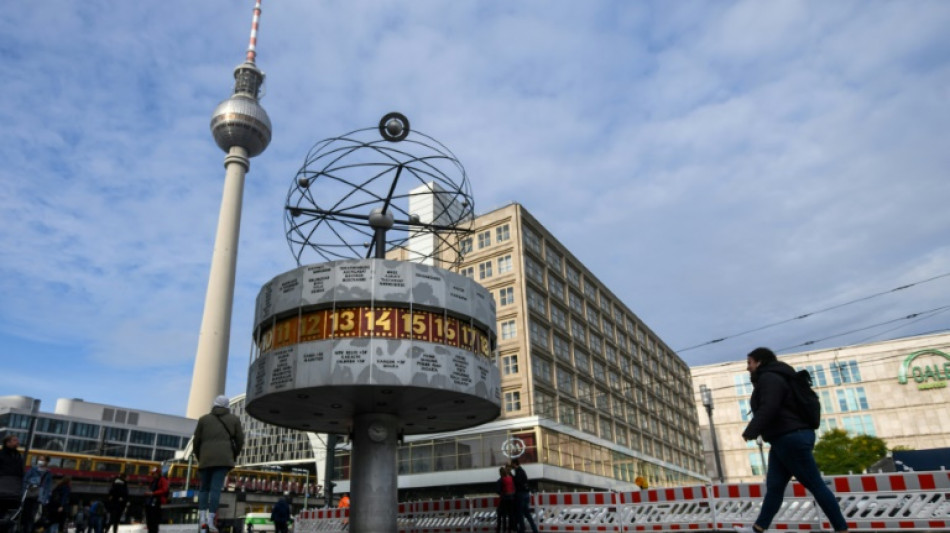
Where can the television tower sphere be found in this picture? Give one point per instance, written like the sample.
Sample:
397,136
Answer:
240,120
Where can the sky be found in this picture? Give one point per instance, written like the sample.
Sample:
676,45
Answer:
720,166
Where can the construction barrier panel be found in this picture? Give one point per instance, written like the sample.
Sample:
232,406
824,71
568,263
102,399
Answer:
914,501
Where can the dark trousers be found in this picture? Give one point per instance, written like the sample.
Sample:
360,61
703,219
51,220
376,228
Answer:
791,455
153,517
28,515
523,512
279,527
504,515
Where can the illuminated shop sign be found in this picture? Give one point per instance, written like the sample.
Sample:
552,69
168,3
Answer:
929,369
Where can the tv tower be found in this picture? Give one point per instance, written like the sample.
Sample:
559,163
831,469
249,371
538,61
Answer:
242,129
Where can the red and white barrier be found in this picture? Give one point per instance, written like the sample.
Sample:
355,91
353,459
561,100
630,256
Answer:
916,501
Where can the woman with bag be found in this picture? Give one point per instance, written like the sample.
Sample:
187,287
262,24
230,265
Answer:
217,443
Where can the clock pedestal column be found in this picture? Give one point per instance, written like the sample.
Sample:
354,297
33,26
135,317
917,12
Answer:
374,502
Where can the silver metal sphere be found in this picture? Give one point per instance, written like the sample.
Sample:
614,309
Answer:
241,121
394,127
379,219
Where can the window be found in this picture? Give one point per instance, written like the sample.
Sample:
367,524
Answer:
484,239
565,381
827,406
755,462
169,441
817,374
465,246
80,429
556,288
509,364
508,330
49,425
142,437
111,434
589,422
468,272
539,334
541,369
611,354
531,239
504,264
484,270
743,384
590,290
559,317
579,331
600,372
576,302
537,302
852,400
562,348
553,259
602,399
861,424
544,405
585,392
512,401
845,372
573,276
534,269
502,233
506,296
745,409
567,414
606,429
621,436
582,361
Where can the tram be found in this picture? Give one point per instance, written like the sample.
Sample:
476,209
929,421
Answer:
95,468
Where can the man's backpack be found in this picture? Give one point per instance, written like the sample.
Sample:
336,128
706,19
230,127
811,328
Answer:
806,400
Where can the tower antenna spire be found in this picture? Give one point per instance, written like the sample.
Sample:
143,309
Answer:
252,45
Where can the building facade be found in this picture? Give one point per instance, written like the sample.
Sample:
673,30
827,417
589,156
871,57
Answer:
90,428
895,390
590,395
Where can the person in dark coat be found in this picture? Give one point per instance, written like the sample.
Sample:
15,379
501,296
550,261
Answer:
217,443
280,515
522,498
155,497
776,418
57,512
118,499
11,477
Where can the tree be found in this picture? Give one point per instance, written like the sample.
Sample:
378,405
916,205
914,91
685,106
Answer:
838,453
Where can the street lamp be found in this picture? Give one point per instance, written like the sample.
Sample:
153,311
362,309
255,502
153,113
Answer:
706,396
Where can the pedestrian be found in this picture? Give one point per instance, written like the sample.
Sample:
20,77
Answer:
59,505
118,499
776,418
522,498
345,504
97,516
280,515
217,444
81,518
37,486
11,479
155,497
504,514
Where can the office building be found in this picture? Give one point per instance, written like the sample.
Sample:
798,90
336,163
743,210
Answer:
895,390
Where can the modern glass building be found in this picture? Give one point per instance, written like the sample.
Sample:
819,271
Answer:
895,390
96,429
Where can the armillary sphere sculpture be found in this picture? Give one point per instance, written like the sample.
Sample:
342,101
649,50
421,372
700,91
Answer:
354,195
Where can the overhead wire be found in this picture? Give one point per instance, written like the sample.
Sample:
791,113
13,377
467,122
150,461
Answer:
812,313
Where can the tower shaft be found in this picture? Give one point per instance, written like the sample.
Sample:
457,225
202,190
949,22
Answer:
211,361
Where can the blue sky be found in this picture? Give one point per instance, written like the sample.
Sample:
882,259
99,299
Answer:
719,165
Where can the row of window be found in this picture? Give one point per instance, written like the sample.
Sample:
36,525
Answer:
485,270
847,400
842,373
108,434
502,234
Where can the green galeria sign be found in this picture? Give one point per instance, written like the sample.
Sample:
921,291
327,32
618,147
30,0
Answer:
931,372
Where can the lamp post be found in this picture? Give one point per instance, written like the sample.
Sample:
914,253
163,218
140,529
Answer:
706,396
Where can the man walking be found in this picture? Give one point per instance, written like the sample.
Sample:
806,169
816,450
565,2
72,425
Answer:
776,418
522,498
155,497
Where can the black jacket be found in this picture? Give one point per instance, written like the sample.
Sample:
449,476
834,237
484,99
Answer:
773,409
11,473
